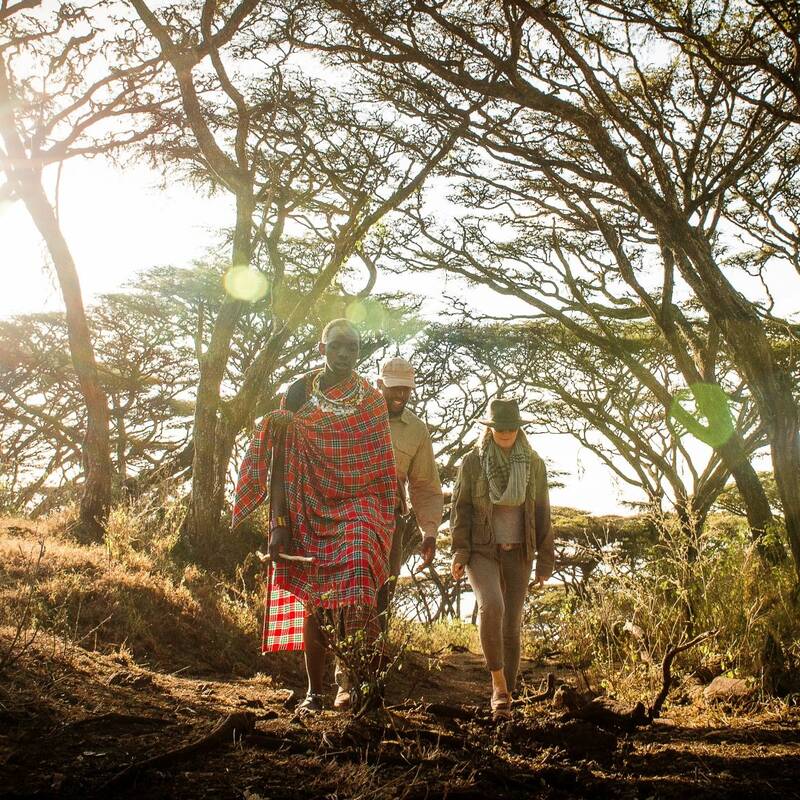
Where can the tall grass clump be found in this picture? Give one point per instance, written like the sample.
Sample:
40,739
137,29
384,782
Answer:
621,623
131,590
148,525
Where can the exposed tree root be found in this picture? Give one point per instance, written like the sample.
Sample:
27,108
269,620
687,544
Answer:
226,730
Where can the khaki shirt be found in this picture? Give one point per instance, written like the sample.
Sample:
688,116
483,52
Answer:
416,469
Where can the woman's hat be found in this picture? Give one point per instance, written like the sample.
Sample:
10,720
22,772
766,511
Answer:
504,413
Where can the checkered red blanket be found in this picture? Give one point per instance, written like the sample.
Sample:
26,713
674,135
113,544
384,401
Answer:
340,487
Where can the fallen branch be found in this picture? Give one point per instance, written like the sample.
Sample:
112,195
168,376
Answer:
666,666
226,730
547,694
601,711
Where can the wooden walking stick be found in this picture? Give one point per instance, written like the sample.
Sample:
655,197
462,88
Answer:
269,600
266,558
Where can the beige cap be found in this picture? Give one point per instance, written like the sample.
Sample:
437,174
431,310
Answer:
397,372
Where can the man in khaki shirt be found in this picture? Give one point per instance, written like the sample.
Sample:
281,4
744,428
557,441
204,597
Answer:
417,474
418,478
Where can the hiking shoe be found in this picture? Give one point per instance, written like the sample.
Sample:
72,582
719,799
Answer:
343,700
501,705
310,704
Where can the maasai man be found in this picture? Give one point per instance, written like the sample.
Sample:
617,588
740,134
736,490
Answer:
325,460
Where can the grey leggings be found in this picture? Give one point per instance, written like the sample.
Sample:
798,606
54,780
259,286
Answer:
500,584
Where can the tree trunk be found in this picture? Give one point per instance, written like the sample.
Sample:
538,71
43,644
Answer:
732,452
227,430
122,439
785,447
770,383
203,520
96,496
756,503
25,178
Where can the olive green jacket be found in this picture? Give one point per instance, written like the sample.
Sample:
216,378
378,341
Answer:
471,515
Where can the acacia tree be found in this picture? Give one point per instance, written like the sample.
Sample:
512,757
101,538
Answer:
298,161
753,48
585,390
564,93
453,391
40,436
143,370
145,342
51,111
573,275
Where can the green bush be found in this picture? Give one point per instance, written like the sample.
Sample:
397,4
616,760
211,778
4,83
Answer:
621,626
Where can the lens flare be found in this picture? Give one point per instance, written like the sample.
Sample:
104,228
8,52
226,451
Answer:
244,283
367,314
710,420
356,312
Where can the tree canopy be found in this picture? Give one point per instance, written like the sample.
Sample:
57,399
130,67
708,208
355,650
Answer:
625,173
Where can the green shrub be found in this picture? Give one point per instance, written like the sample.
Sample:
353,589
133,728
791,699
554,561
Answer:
622,625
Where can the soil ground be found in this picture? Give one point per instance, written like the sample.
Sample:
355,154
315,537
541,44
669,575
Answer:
71,719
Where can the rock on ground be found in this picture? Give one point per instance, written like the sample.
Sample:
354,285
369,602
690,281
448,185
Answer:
728,690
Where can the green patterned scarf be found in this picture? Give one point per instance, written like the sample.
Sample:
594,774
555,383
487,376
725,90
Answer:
506,473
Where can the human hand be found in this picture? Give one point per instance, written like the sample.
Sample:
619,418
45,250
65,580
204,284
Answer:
279,541
280,421
538,582
427,552
457,570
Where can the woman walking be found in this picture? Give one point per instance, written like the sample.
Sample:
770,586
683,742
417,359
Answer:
500,520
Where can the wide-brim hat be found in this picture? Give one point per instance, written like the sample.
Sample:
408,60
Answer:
504,413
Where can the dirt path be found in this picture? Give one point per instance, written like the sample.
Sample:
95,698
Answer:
71,720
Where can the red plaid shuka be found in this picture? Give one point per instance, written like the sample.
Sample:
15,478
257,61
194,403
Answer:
340,487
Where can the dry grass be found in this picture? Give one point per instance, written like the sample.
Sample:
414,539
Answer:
125,694
617,633
439,637
87,594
